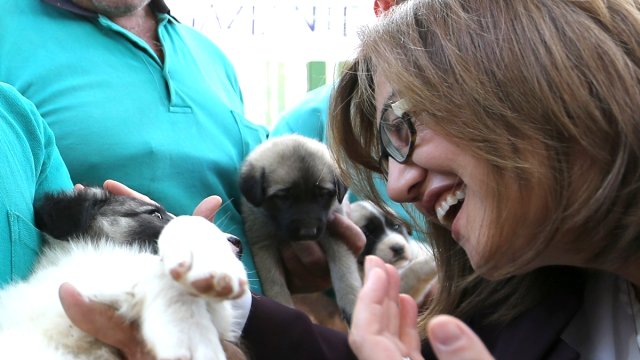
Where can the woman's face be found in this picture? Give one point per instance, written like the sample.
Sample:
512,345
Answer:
445,183
449,186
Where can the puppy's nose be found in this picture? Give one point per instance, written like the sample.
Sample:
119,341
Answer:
397,250
236,245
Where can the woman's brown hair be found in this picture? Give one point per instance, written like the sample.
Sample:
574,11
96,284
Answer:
546,92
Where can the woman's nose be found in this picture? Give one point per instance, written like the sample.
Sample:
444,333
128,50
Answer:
403,181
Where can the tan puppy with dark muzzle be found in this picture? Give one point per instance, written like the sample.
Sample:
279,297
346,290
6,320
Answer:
290,187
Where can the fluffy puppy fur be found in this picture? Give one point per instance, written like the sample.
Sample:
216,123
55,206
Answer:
171,275
390,240
290,187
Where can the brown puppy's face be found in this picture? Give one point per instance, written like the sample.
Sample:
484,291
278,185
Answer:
300,212
298,204
293,182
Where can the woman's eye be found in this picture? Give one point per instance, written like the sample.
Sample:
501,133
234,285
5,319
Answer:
396,128
393,125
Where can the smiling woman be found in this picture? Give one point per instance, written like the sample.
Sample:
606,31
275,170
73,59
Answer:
525,158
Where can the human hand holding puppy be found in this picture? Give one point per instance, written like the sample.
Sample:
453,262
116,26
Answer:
308,261
102,321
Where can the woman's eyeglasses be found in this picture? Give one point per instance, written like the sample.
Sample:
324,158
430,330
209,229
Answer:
397,132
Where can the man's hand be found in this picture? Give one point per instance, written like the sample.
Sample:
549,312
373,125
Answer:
102,322
207,207
305,263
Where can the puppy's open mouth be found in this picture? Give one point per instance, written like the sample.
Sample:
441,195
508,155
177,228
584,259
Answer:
449,205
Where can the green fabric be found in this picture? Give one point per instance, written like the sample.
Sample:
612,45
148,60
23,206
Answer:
174,131
30,165
310,118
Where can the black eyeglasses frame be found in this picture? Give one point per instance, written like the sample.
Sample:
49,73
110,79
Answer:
385,153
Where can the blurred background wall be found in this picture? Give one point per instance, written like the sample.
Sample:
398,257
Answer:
280,48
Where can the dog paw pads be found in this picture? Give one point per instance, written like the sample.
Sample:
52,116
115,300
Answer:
180,270
219,286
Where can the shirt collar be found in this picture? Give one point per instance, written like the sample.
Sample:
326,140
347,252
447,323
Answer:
158,5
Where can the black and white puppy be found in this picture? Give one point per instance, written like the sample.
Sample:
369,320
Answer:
171,275
290,187
389,240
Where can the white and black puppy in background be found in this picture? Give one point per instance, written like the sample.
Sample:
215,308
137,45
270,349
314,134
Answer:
389,239
171,275
290,187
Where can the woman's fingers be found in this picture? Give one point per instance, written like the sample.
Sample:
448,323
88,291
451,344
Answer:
408,329
451,339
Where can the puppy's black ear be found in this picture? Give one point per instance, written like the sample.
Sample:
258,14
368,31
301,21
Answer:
62,215
341,190
252,184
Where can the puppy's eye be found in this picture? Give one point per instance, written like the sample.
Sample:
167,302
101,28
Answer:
395,227
155,213
324,193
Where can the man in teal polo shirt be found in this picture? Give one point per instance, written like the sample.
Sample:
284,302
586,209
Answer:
30,165
133,95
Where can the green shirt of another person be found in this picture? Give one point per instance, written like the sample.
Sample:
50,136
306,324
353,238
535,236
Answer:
30,165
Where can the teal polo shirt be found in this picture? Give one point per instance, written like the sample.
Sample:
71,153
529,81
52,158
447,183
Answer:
308,117
173,130
30,165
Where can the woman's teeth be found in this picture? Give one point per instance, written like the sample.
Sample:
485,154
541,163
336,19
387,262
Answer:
452,199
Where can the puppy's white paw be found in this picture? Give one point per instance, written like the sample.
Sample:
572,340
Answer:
197,254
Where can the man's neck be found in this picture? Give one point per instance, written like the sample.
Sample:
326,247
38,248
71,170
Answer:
144,24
